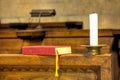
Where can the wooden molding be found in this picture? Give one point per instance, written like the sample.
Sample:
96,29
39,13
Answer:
73,67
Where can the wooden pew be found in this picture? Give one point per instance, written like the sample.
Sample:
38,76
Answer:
74,38
72,67
14,65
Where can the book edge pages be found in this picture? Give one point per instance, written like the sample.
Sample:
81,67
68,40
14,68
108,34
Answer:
64,50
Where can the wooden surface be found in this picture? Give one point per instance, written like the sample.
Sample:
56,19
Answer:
48,25
30,33
11,33
8,33
73,67
10,46
14,66
73,38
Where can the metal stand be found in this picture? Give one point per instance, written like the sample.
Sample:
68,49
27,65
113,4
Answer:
42,13
39,26
93,50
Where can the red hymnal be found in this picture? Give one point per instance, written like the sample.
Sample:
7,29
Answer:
45,50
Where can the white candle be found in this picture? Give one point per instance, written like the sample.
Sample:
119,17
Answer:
93,20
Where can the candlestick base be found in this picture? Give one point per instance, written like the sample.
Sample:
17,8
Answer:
93,50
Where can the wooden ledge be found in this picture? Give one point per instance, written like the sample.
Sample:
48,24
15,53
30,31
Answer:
73,67
52,33
30,33
71,59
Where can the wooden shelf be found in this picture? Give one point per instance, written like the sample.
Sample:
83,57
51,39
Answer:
30,33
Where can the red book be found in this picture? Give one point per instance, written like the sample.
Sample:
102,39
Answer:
46,50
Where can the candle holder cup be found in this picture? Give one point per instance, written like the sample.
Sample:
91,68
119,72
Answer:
94,50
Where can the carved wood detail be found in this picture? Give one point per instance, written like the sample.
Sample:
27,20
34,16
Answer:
73,67
39,69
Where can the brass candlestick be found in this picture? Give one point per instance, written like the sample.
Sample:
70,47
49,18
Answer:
93,50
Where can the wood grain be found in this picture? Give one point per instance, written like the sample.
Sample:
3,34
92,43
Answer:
12,46
73,67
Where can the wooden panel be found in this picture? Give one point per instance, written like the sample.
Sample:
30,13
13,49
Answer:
76,33
49,25
116,31
105,32
73,67
75,43
54,33
30,33
4,26
10,45
45,76
75,38
8,33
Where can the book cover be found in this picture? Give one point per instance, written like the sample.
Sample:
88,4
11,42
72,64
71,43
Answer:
46,50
